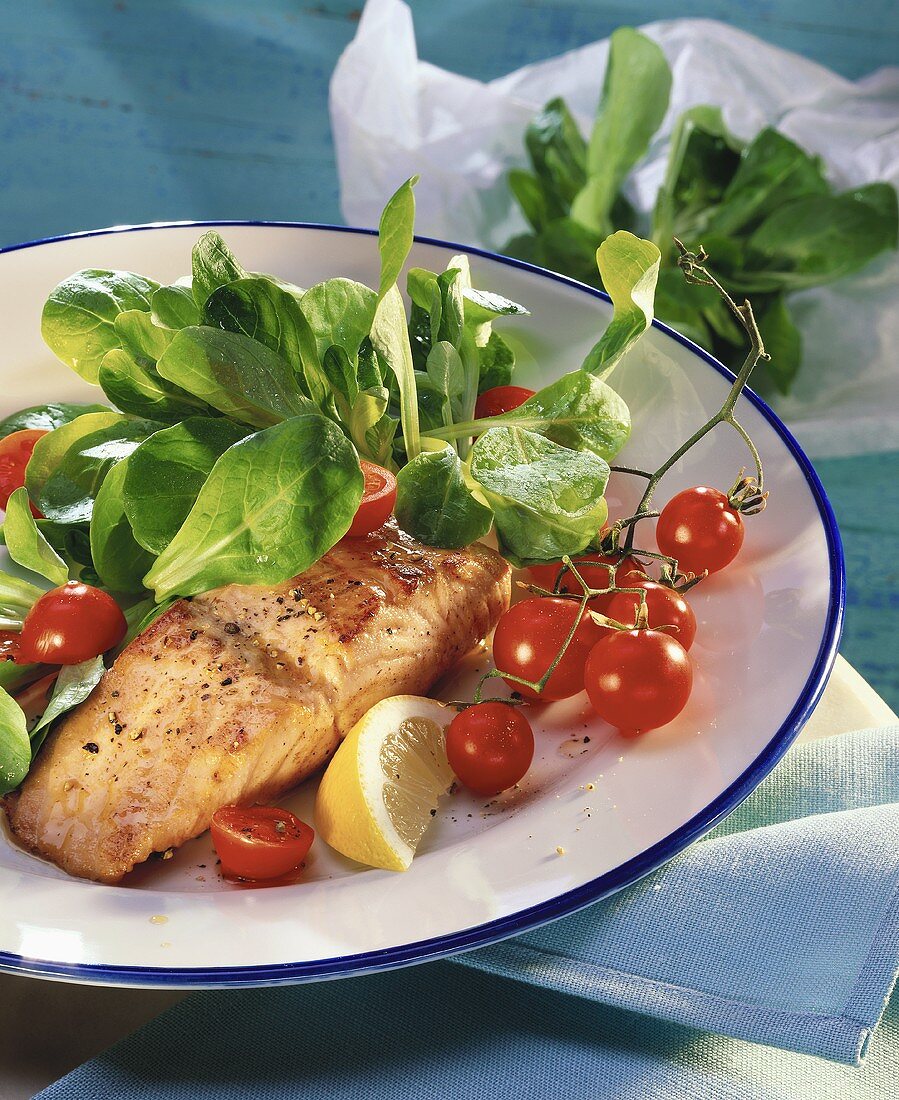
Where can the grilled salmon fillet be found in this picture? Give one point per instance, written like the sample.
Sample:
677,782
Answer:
237,695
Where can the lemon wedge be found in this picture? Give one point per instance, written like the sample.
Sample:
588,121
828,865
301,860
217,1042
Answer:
376,798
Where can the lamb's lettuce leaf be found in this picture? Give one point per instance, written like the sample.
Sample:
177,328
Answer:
435,504
272,505
547,500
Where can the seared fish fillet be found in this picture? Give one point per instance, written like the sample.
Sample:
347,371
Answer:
237,695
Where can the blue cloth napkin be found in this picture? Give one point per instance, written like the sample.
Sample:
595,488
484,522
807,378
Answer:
781,927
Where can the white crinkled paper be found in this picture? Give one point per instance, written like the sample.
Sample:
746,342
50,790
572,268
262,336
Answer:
394,115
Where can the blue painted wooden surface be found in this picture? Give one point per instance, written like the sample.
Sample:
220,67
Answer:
863,493
122,110
115,111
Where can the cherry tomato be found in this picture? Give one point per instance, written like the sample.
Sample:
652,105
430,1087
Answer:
501,399
378,499
15,451
638,679
664,607
71,624
490,747
700,529
10,647
259,843
531,633
545,575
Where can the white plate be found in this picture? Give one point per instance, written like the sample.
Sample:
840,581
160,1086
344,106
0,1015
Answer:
768,634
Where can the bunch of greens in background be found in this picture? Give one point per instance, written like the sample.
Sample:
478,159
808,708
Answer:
240,407
764,208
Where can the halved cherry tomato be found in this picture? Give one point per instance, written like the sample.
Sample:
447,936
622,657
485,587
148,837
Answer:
528,637
501,399
664,607
490,747
15,451
378,499
10,647
71,624
259,843
700,529
638,679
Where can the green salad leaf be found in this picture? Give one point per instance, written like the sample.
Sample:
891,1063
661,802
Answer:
117,557
625,123
17,597
483,306
71,541
78,321
272,505
236,375
15,746
68,494
558,153
27,545
340,313
73,685
132,384
390,338
547,500
445,377
447,310
175,306
259,309
180,458
137,330
435,504
51,450
629,267
46,417
576,411
783,340
772,169
496,363
213,264
764,209
702,160
815,240
395,234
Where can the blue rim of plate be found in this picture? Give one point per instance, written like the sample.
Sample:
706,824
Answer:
564,904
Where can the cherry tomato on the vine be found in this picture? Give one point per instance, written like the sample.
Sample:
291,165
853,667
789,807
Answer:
664,607
71,624
378,500
501,399
529,636
259,843
490,747
10,647
588,565
15,451
638,679
700,529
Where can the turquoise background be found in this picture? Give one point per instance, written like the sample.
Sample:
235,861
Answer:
120,112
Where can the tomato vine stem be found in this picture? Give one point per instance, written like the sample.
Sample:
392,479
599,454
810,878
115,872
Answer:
695,272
